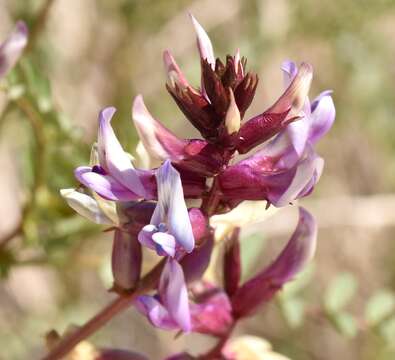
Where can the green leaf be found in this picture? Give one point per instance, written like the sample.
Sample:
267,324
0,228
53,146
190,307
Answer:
345,324
379,307
340,292
293,310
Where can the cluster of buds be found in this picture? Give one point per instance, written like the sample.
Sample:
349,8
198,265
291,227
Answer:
148,207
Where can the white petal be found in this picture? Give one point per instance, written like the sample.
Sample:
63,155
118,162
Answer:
171,204
112,156
86,206
204,43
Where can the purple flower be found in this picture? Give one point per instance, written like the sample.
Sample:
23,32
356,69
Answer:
11,49
170,230
297,253
255,179
286,168
169,309
114,178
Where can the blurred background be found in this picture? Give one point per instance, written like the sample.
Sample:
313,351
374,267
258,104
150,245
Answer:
85,55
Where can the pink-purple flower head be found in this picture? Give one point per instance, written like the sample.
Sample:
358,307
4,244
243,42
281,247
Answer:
170,230
11,49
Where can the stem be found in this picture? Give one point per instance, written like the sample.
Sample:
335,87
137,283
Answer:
210,204
121,303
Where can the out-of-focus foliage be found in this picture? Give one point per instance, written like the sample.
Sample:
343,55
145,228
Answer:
88,54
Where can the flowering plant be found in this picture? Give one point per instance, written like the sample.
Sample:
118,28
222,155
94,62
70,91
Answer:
148,207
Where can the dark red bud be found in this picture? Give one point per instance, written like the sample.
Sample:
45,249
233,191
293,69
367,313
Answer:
197,110
245,92
232,263
126,260
216,92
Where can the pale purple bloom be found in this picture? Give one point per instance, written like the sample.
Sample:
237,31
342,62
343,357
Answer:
297,253
170,229
114,178
11,49
169,309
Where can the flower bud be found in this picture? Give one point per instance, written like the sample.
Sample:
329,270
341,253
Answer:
126,260
232,263
297,253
